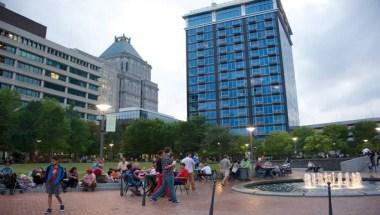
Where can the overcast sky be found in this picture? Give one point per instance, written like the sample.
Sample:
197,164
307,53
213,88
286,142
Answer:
336,47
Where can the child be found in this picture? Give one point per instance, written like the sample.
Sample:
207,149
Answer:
53,180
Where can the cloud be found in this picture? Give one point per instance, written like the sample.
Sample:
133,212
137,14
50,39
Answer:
335,47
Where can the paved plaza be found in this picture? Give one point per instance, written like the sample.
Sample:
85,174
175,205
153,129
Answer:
197,202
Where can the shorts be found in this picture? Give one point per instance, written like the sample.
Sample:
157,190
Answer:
226,172
52,189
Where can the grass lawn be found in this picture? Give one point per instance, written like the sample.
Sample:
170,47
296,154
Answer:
26,168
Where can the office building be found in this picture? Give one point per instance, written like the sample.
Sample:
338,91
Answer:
37,68
240,67
134,78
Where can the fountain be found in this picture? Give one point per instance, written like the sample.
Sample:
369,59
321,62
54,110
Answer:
319,180
315,184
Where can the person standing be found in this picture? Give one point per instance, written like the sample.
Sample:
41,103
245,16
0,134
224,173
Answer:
225,165
53,180
196,160
189,165
168,177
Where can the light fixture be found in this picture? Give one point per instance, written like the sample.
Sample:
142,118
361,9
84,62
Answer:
377,129
295,139
111,145
103,107
365,140
251,129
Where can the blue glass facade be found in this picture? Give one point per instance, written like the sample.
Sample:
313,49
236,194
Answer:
240,67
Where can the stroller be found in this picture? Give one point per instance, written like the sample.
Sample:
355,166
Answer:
286,169
8,182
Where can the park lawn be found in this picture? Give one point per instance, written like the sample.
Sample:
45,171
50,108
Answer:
29,167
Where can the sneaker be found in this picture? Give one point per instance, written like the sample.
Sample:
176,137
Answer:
153,200
176,202
62,208
48,211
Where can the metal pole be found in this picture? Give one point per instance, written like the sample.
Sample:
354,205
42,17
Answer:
212,199
329,193
101,153
251,149
144,190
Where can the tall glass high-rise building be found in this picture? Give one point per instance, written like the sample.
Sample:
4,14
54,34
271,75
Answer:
240,66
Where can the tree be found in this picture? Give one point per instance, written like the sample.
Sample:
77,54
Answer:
338,135
79,139
94,142
147,137
9,102
53,128
217,141
317,143
302,133
364,131
189,135
278,145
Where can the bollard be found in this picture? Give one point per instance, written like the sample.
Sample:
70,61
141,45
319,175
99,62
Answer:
144,192
212,198
329,193
121,186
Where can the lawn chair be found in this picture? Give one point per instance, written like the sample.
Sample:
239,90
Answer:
127,182
180,182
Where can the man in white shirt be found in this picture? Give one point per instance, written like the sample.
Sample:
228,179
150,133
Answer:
206,171
189,165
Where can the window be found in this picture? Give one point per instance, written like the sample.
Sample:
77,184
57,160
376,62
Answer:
76,103
57,53
55,76
7,48
93,97
79,61
5,73
77,82
28,80
5,86
29,68
259,6
27,92
78,72
94,77
58,98
228,13
7,61
91,117
30,56
54,86
199,19
56,64
77,92
93,87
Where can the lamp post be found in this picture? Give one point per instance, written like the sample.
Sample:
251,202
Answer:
111,145
365,140
218,143
295,145
102,108
250,130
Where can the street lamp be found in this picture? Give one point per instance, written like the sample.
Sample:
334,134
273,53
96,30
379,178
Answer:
111,145
250,130
102,108
365,140
295,145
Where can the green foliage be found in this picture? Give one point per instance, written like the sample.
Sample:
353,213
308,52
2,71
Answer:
364,131
190,135
147,137
338,135
9,102
317,143
278,145
302,133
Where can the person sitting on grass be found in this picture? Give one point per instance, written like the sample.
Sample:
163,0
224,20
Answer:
89,181
72,179
38,176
